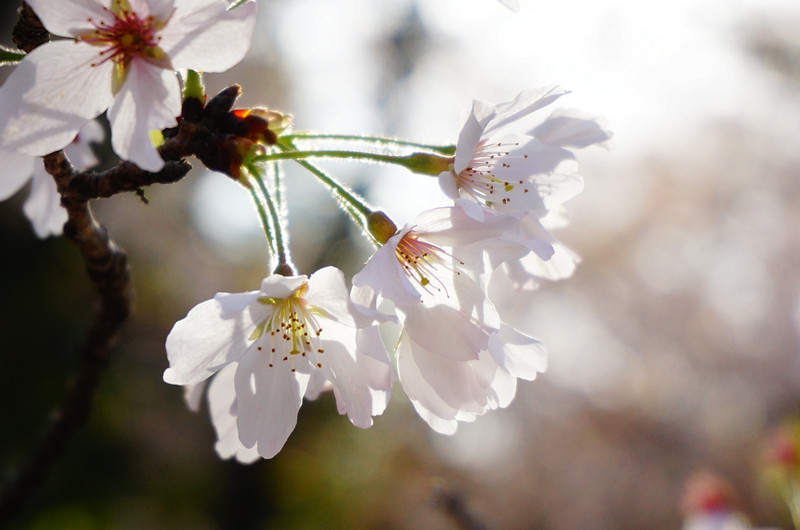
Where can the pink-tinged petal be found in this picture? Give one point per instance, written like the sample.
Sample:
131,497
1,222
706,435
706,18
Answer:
160,10
221,403
363,307
526,272
456,226
17,169
471,133
71,18
268,399
522,356
51,94
375,366
353,396
205,35
431,408
459,385
43,206
80,151
571,128
525,103
445,332
206,340
327,291
503,386
384,274
149,99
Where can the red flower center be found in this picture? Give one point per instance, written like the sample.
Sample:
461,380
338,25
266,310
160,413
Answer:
125,37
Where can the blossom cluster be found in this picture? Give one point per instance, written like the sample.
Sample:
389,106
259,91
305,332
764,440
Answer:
456,358
257,355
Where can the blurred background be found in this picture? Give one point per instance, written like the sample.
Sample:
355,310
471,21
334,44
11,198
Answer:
675,347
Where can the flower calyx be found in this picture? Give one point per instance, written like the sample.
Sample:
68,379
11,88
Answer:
380,226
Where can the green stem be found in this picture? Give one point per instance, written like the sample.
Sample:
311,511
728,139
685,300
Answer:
425,163
346,196
277,241
262,214
442,149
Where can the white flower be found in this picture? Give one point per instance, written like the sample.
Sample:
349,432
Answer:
455,358
501,164
289,339
121,56
43,205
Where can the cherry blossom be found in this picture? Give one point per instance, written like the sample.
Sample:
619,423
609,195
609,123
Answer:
120,56
292,338
504,161
43,205
456,359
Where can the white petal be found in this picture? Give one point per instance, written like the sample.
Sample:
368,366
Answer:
80,151
317,384
193,394
268,400
375,366
160,10
526,272
571,128
471,134
43,206
17,169
449,184
204,35
51,94
445,331
70,18
363,307
524,104
221,402
206,340
350,387
438,414
149,99
327,291
277,286
384,274
522,356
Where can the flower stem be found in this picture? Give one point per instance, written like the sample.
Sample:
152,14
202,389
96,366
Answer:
448,150
425,163
272,224
262,214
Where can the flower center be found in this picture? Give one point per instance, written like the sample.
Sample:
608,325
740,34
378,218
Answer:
127,36
478,178
291,330
424,263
